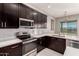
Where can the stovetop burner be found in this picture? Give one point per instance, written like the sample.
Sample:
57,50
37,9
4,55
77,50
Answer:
23,35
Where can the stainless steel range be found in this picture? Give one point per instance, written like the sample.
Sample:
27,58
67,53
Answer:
29,43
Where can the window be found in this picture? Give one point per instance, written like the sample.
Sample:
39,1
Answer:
52,24
69,27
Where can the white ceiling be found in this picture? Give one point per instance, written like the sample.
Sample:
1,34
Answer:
57,9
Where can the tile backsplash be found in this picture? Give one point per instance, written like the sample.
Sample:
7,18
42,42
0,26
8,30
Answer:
5,33
11,32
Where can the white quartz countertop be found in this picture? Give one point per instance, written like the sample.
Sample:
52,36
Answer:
41,35
9,42
14,40
69,37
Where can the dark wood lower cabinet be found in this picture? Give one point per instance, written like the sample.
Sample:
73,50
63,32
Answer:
57,44
42,42
39,45
40,48
13,50
54,43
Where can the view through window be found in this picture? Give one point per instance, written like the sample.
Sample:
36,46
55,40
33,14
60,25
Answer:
69,27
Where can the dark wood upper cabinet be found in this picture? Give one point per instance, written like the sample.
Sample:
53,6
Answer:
9,15
1,20
25,12
29,13
39,18
44,18
1,11
35,17
22,11
11,8
11,12
1,7
11,21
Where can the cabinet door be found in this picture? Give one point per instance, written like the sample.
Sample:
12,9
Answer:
25,12
29,13
22,11
35,18
43,21
15,50
44,18
11,8
1,11
1,7
11,21
10,15
57,44
39,18
1,21
39,45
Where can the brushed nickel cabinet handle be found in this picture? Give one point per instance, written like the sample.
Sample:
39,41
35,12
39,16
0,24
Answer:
2,24
5,24
40,42
7,54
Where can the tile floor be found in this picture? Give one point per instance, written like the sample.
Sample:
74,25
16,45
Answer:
48,52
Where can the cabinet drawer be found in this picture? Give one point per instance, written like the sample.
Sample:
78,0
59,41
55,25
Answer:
13,50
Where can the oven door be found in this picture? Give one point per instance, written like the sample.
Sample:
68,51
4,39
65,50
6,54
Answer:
29,46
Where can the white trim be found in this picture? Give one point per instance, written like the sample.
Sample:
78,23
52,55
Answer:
26,26
26,19
32,23
29,41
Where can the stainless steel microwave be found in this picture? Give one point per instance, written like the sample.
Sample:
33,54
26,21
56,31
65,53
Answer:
26,23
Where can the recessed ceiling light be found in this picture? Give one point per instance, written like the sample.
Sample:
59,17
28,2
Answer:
49,6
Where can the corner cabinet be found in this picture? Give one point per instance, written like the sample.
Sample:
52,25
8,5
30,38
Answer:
12,50
54,43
